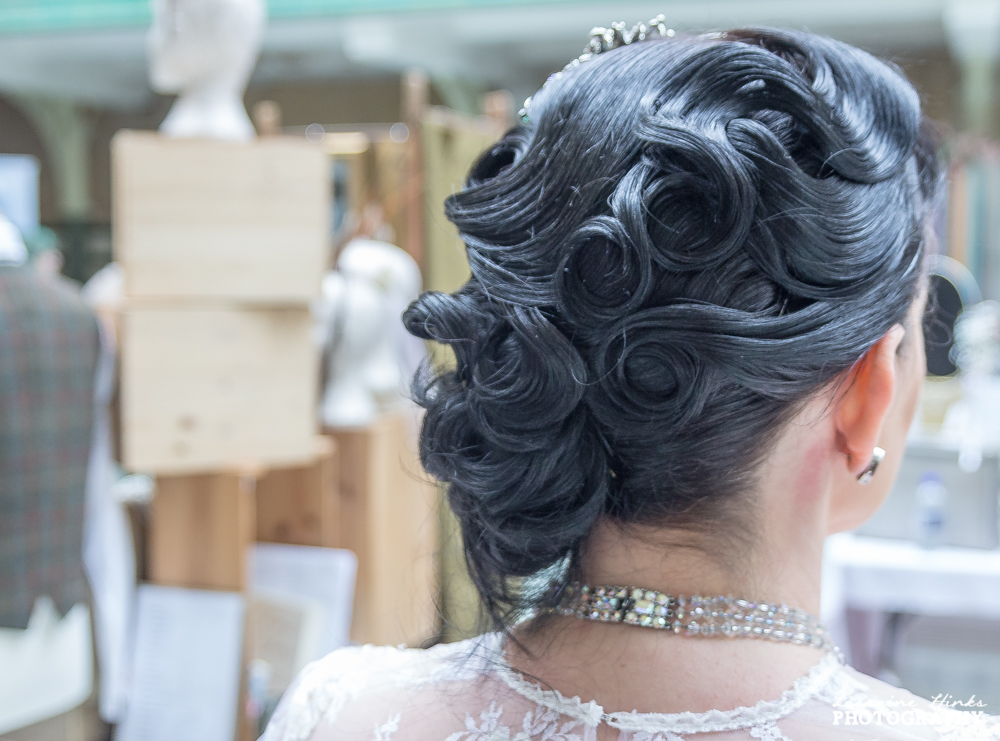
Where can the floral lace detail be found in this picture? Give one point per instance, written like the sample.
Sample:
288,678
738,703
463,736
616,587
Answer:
589,713
487,730
538,725
548,725
384,732
325,686
769,732
764,713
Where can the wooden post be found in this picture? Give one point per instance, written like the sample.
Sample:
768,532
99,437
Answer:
414,103
451,144
389,519
300,505
200,528
498,105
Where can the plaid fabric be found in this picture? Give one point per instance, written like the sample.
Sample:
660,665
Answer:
48,354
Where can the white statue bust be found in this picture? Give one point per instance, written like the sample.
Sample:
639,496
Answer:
205,50
370,355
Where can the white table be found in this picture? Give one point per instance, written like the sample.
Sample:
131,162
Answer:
883,576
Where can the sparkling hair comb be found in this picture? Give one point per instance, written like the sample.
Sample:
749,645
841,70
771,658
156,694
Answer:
606,39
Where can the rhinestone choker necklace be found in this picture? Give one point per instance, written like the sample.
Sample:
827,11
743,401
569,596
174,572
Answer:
694,616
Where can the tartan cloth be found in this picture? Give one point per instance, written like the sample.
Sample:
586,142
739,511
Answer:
49,346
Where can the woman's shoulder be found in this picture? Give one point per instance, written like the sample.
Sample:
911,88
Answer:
355,676
464,692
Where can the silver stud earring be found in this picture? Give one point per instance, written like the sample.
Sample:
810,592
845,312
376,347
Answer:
865,476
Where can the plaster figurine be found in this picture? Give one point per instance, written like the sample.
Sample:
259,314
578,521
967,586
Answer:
370,356
205,50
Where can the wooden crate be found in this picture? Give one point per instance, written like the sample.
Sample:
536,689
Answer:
389,518
300,505
201,218
200,528
206,388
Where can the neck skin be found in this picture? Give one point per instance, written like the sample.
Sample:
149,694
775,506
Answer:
597,660
784,528
772,550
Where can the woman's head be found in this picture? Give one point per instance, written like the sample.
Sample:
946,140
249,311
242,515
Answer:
690,239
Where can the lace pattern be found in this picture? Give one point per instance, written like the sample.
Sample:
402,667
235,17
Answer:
384,732
329,686
325,686
768,732
588,713
540,724
764,713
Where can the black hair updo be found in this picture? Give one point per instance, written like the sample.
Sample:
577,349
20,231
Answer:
691,236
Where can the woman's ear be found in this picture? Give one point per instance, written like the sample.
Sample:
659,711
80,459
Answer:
865,401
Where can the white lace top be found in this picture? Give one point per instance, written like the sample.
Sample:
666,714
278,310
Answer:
465,692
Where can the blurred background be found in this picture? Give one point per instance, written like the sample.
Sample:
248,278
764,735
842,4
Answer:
213,212
73,73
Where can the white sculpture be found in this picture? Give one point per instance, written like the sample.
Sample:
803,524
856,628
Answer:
205,50
370,355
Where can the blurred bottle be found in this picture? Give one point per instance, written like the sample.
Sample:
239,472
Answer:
931,500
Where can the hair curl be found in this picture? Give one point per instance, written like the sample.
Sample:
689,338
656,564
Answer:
692,236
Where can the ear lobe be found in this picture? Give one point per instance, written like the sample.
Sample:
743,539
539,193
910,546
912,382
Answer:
865,401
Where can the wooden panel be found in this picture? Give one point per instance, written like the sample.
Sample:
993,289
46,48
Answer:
396,191
206,218
389,519
210,388
461,606
199,530
415,96
300,505
451,144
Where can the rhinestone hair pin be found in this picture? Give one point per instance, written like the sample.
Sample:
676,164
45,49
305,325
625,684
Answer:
606,39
